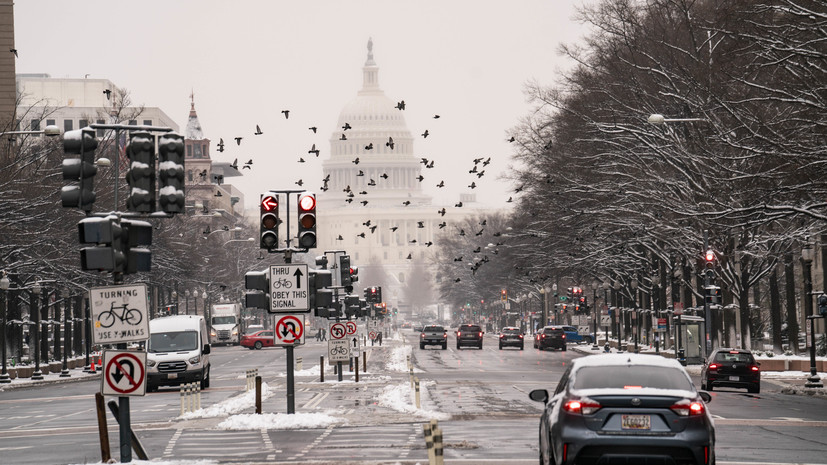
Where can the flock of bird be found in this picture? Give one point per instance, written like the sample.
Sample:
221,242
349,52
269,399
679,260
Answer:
477,170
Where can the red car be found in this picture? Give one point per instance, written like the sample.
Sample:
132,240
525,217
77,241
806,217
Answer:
258,339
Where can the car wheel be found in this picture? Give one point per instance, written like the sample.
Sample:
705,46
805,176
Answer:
444,346
151,387
522,346
251,348
258,345
563,348
480,346
205,381
501,347
458,346
755,390
421,346
587,340
709,387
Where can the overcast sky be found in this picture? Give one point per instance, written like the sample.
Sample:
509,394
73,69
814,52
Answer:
245,60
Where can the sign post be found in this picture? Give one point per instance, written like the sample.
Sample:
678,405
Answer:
289,333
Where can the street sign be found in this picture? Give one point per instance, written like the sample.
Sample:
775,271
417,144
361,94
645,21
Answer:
289,330
678,307
288,289
124,373
337,331
338,350
605,320
661,324
119,314
372,335
351,327
584,330
354,346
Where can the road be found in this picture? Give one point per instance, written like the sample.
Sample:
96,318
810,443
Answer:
481,396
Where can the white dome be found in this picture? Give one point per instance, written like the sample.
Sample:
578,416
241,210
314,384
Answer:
372,111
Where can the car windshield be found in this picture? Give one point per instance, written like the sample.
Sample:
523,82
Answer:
736,357
553,330
469,328
223,320
631,377
434,328
511,331
173,341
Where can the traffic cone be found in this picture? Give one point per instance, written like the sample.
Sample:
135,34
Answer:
92,367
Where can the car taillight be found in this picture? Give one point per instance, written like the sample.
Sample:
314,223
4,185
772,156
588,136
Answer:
713,366
563,336
521,336
583,406
543,336
480,333
445,335
687,408
422,335
754,368
502,336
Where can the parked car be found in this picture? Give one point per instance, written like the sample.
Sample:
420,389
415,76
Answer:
550,337
259,339
512,336
433,335
469,335
572,335
625,408
731,368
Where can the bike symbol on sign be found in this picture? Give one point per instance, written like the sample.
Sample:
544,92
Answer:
131,316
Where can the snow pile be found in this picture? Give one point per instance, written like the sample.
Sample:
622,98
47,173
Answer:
231,405
399,359
312,371
401,398
278,421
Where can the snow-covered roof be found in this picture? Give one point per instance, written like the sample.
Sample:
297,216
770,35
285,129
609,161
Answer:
625,359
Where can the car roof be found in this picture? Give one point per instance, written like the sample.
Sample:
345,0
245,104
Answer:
510,327
740,351
625,359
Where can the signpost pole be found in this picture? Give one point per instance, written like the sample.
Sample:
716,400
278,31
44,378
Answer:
291,391
123,420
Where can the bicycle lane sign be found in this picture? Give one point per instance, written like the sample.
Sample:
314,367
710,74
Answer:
119,314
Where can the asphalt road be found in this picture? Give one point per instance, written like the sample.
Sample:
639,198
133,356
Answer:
482,394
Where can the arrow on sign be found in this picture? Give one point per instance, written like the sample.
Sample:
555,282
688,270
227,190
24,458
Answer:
289,327
120,372
298,274
355,342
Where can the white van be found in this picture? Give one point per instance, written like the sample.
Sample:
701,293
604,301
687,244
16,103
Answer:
178,352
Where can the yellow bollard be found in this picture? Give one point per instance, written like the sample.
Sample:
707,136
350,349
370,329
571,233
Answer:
429,442
416,389
438,446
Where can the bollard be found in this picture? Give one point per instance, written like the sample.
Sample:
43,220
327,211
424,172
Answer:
437,446
429,442
416,389
298,364
258,395
365,362
357,368
190,397
251,379
411,376
321,368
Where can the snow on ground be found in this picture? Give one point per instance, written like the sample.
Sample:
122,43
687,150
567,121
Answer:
312,371
279,421
401,398
169,462
231,405
398,361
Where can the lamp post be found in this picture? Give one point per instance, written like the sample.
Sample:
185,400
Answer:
64,372
633,284
554,303
87,339
606,287
595,285
618,317
4,285
36,290
813,381
187,301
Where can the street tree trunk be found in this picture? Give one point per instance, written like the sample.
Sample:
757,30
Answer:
775,312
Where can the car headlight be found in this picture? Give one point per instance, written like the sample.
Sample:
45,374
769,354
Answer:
235,332
150,363
213,333
194,360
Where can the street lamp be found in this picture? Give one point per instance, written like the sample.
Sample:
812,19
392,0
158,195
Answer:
175,296
554,303
606,287
595,285
64,372
657,118
813,381
618,318
50,130
35,306
187,301
4,285
633,284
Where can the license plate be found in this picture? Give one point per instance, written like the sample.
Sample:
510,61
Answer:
734,378
635,422
172,375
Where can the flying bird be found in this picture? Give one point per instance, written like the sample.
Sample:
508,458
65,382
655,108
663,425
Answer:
400,105
384,176
406,203
343,137
313,150
360,173
356,161
479,233
458,205
420,224
372,183
300,183
361,193
219,179
419,178
286,113
457,280
220,145
373,229
394,228
510,199
473,170
346,127
486,162
247,167
412,241
425,134
366,223
234,165
473,185
301,160
441,184
369,146
362,235
429,243
424,161
313,128
518,189
409,256
390,143
238,140
258,131
442,225
458,259
348,200
218,194
340,238
461,232
346,189
511,139
477,250
441,212
436,116
477,160
249,162
479,175
483,222
14,50
430,164
364,202
108,93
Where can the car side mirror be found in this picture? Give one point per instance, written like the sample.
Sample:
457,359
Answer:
206,349
540,395
707,398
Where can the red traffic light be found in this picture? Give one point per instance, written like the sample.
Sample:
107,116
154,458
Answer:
307,202
269,203
710,255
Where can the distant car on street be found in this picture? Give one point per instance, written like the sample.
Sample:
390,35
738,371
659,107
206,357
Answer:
550,337
625,408
574,336
433,335
512,336
735,368
469,335
258,339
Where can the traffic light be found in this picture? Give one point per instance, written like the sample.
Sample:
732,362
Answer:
81,170
713,295
269,238
344,271
710,260
171,172
569,293
141,173
352,308
259,283
373,294
822,305
307,220
97,231
503,295
136,234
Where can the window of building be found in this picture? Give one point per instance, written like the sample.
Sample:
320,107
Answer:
147,122
100,132
133,122
83,123
35,124
189,151
189,175
67,125
50,122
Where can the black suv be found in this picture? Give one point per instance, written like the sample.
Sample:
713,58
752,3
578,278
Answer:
731,368
469,335
511,336
550,337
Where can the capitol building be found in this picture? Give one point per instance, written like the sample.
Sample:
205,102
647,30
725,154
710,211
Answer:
373,206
